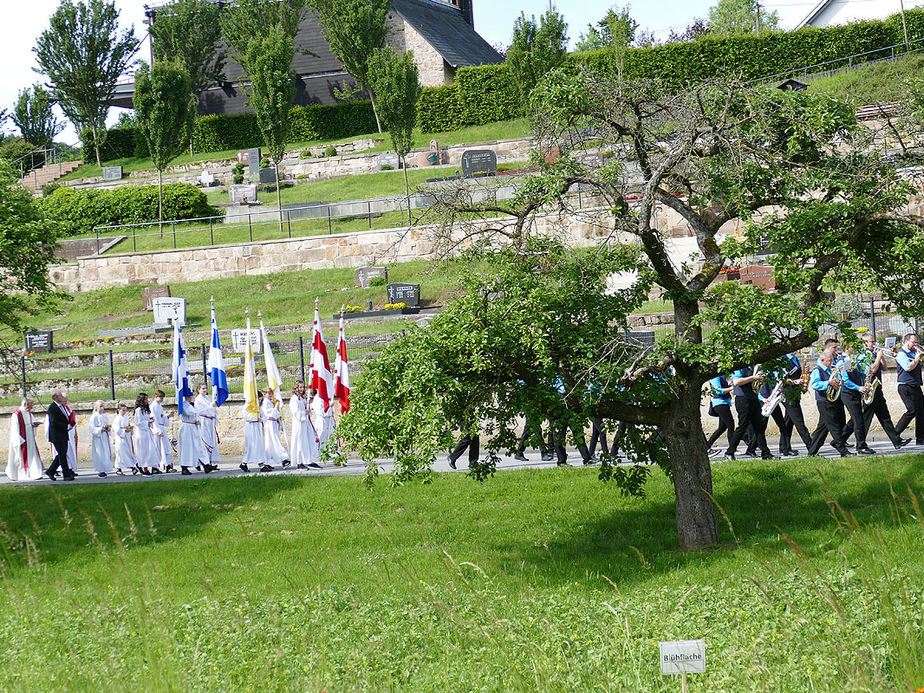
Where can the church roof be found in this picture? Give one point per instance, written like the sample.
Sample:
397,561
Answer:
446,30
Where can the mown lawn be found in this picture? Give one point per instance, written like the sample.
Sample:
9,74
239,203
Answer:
881,82
534,580
502,130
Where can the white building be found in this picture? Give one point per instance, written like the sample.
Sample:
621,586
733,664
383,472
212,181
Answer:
832,12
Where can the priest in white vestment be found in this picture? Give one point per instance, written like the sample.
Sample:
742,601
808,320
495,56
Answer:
23,462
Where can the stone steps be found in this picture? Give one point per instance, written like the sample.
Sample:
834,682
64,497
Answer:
35,179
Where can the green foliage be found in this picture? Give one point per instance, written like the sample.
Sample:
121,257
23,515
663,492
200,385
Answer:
330,150
268,63
84,54
13,148
49,188
246,20
394,78
536,49
121,143
741,17
487,93
238,173
79,211
378,281
877,83
617,28
189,32
438,108
27,243
33,116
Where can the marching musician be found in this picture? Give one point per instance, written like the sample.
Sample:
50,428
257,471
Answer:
852,397
748,407
830,414
780,415
796,384
720,407
908,364
872,360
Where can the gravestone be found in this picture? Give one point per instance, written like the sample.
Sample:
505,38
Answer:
268,175
169,310
479,162
243,156
363,275
433,158
206,179
386,159
242,194
253,164
239,340
40,342
404,293
112,173
149,293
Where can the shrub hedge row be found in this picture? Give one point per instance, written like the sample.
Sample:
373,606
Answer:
487,93
120,143
80,211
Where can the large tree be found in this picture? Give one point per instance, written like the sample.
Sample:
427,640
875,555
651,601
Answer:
268,62
189,32
34,117
536,49
741,17
83,54
794,170
163,106
395,79
355,30
246,20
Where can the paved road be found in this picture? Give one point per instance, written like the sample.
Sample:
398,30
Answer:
229,466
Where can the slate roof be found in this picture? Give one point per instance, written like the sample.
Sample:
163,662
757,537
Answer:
446,30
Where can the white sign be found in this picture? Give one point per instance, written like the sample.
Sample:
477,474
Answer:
239,340
683,656
168,309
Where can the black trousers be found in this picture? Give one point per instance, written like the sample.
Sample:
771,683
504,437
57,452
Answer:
473,443
794,413
60,459
880,410
535,428
597,434
784,424
558,443
853,403
914,411
726,424
831,419
749,415
617,437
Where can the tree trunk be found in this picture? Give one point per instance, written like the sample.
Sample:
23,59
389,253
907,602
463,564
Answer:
160,201
375,112
686,445
278,193
407,190
99,161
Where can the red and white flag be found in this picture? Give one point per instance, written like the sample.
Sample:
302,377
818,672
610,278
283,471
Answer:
321,378
342,372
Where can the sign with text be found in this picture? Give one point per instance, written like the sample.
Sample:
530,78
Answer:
682,657
239,340
404,293
40,342
112,173
169,310
479,162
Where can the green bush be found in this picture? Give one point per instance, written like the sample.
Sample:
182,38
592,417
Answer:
438,108
487,93
238,173
49,188
80,211
378,281
330,151
120,143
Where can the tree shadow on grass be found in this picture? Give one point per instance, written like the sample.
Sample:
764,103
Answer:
755,503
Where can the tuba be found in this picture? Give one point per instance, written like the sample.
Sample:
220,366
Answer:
834,390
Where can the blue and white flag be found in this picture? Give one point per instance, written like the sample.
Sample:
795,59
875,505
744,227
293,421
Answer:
217,366
180,369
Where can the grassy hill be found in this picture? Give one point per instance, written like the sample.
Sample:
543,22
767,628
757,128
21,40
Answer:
880,82
534,580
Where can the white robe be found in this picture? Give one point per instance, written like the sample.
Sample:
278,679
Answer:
102,447
190,449
208,427
254,448
273,432
17,468
303,445
71,441
125,447
162,434
323,422
146,455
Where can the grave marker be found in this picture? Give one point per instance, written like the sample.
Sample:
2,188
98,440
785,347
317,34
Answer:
239,340
404,293
479,162
363,275
40,342
242,194
253,164
112,173
169,310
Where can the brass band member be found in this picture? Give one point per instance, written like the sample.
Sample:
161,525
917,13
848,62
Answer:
908,364
830,414
874,359
747,405
852,397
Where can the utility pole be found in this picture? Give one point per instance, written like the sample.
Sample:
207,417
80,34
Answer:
901,4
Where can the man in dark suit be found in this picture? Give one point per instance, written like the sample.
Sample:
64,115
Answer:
57,434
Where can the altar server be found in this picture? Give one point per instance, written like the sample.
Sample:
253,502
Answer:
125,445
102,445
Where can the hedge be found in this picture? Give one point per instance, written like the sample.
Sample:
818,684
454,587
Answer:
120,143
487,93
80,211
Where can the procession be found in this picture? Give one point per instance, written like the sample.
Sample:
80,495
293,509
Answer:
144,439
